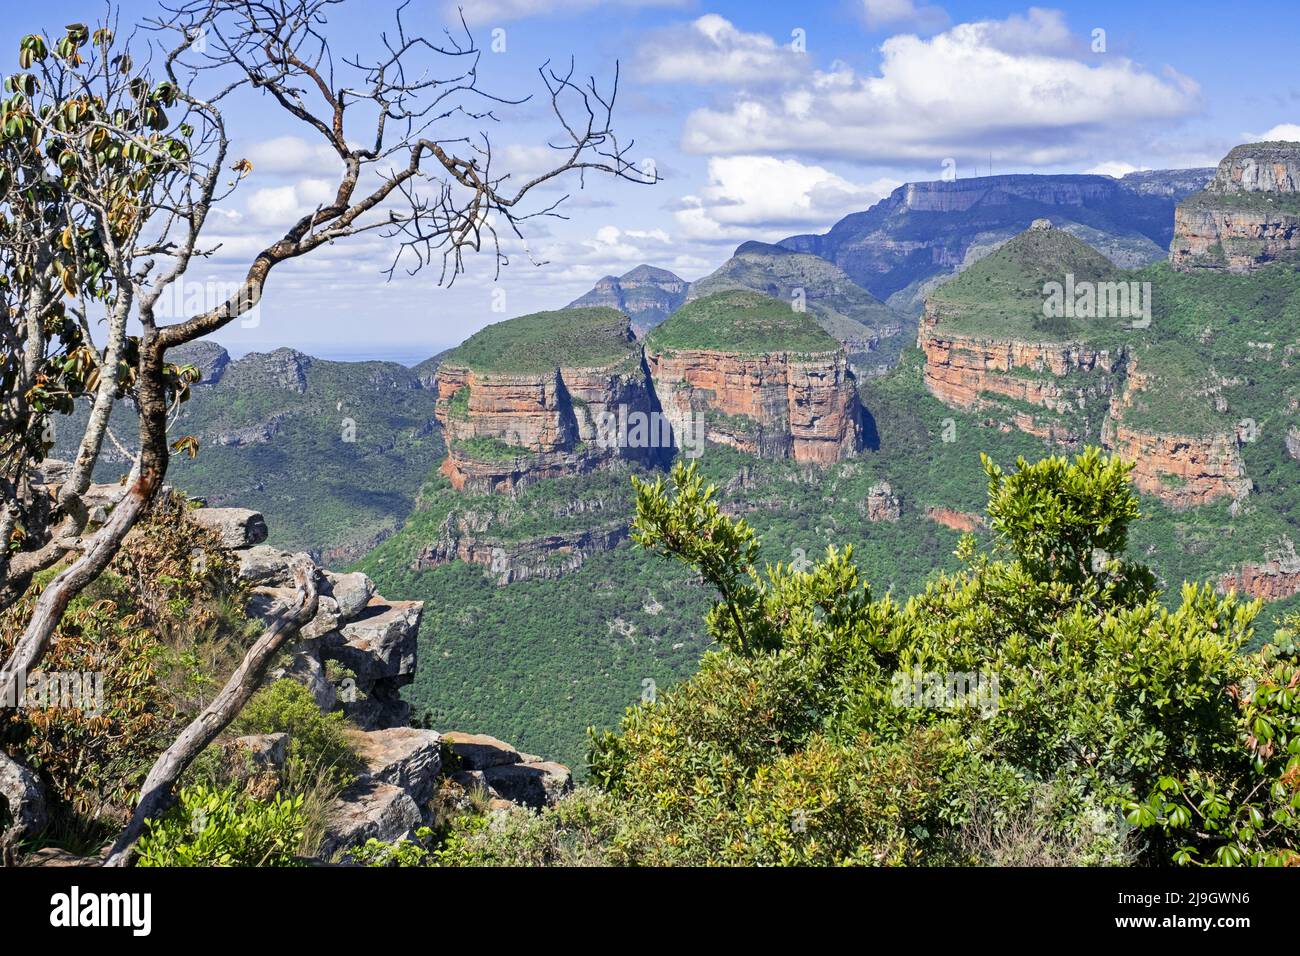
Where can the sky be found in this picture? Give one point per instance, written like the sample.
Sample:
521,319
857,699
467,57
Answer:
763,120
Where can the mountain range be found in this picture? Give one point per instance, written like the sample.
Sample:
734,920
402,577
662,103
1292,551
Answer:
843,386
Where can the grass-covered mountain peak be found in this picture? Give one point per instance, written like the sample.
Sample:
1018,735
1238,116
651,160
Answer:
1004,292
742,322
566,338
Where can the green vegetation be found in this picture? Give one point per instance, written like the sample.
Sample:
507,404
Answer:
740,321
317,740
224,828
1018,711
575,338
483,448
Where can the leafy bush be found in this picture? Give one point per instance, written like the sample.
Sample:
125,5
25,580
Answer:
315,739
808,739
210,827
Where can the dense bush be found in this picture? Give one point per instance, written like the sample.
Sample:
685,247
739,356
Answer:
210,827
826,729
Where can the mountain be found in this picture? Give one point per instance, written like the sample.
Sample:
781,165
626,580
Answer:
850,314
1247,217
924,232
646,295
333,453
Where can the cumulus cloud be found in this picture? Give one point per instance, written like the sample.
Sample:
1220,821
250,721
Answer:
1006,87
292,155
1116,168
281,205
1284,132
749,193
903,13
498,11
712,50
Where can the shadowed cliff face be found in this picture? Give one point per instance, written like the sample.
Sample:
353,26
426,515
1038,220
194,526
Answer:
1247,217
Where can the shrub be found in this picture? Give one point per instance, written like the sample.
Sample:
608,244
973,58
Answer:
211,827
315,739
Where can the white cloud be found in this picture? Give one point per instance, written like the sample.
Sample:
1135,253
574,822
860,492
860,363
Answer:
749,193
1284,132
898,13
292,155
1115,168
712,50
1001,87
498,11
282,205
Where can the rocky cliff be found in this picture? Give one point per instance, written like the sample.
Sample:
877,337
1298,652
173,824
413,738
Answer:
1247,217
753,374
528,398
924,232
354,657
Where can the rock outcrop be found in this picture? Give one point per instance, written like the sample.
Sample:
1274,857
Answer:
1276,578
774,405
540,416
882,504
1247,217
956,520
1183,471
975,373
544,557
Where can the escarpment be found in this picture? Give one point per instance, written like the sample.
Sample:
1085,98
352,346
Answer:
532,398
566,393
740,369
1247,217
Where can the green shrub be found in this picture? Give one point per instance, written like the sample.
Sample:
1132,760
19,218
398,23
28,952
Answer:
315,739
210,827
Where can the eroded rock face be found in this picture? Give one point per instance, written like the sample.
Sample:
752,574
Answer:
969,373
505,431
1270,581
1293,443
774,405
957,520
1183,471
882,504
238,527
545,557
1248,216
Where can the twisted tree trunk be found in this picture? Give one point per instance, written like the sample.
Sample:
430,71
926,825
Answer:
157,794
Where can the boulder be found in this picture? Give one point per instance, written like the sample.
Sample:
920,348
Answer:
237,527
479,751
265,566
23,812
369,809
533,784
378,643
351,592
404,757
266,751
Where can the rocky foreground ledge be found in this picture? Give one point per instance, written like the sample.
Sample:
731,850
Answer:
374,641
354,656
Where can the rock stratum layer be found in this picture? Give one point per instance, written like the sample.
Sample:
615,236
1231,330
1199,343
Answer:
775,405
1247,217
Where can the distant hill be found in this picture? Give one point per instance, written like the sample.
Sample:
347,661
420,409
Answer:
333,453
921,233
646,295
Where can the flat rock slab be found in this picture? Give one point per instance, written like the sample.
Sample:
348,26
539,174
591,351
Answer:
237,527
369,810
405,757
379,643
479,751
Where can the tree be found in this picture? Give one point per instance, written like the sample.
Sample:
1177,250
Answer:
1026,698
112,173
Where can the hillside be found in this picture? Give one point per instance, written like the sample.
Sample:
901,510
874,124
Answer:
847,312
333,453
646,295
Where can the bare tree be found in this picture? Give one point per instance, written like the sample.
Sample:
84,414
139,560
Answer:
409,172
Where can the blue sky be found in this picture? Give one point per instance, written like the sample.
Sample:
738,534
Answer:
764,120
